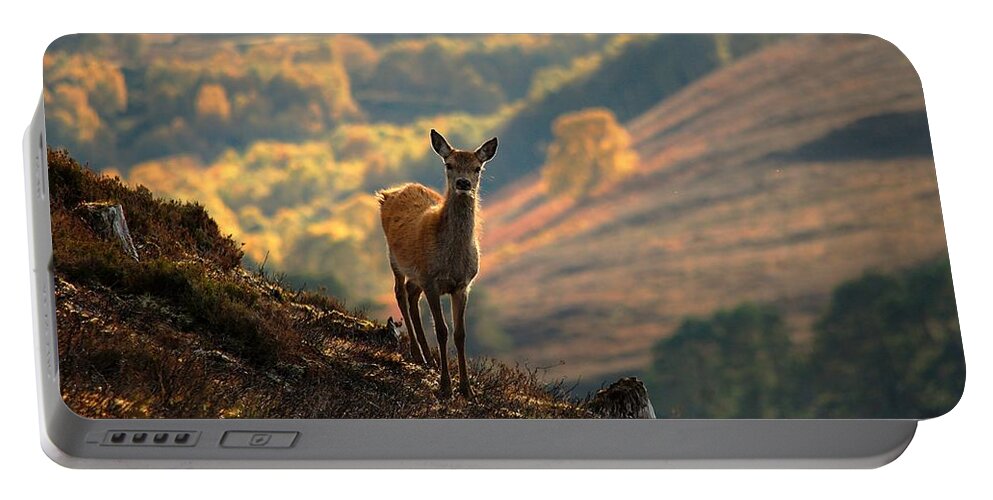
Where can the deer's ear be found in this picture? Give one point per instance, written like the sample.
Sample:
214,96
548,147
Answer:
439,144
487,151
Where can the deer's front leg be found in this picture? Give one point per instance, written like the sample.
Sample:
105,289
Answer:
460,300
441,330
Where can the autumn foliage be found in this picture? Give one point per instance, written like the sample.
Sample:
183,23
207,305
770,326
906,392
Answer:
591,151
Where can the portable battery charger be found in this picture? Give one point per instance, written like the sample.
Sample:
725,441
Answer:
530,250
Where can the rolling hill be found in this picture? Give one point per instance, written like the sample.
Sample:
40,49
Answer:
649,68
771,179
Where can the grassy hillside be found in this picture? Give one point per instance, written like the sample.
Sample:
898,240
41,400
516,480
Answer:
186,332
770,180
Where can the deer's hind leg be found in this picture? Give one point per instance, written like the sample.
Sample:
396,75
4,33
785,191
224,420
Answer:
400,289
414,309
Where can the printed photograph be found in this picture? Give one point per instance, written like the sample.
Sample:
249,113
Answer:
496,226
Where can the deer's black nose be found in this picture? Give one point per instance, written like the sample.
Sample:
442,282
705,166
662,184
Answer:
463,184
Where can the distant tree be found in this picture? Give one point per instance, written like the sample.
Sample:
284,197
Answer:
102,80
357,55
72,112
731,365
212,102
415,79
549,80
483,318
590,149
83,97
686,376
889,347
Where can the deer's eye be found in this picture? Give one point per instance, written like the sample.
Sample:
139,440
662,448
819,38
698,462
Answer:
448,167
478,169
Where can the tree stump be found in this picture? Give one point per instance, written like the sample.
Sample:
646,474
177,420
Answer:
626,398
107,218
388,335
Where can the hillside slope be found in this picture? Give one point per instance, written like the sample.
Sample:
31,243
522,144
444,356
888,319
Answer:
772,179
186,332
648,69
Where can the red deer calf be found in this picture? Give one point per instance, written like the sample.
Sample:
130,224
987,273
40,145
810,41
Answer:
434,249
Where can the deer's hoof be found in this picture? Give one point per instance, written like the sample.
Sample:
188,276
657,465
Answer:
445,392
466,392
416,357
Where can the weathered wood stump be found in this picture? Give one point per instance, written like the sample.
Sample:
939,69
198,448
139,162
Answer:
107,218
626,398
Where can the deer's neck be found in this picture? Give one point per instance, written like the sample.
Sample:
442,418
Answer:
458,219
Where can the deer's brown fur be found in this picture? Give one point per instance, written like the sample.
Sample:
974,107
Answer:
434,250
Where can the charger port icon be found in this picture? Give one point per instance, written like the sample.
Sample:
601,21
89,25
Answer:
260,439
